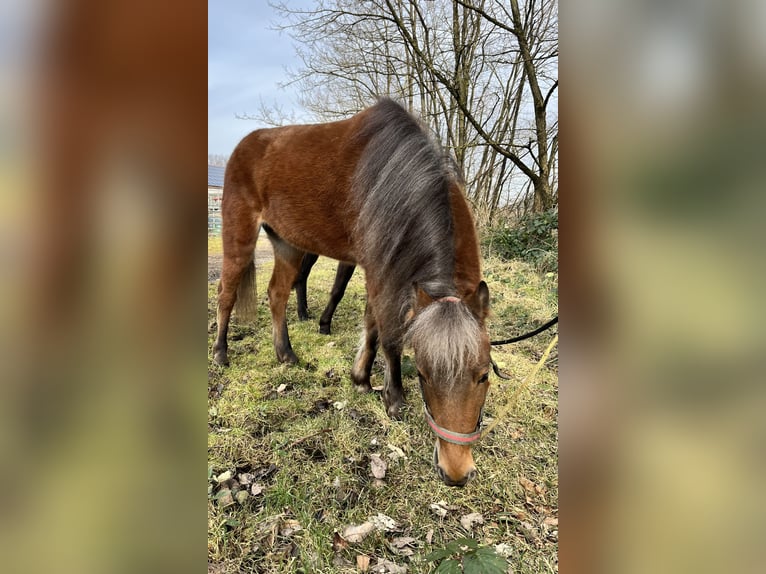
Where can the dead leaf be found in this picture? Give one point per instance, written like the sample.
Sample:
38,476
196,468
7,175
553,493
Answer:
429,535
257,489
441,508
357,532
517,434
403,545
338,542
378,466
504,550
225,498
363,562
396,453
245,478
383,523
387,567
241,496
402,541
530,533
340,405
470,520
377,483
551,521
531,487
290,527
223,477
281,388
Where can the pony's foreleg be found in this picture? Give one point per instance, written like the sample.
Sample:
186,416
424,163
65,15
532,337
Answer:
342,277
393,392
300,285
287,261
365,357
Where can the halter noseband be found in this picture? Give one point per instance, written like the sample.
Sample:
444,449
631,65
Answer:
452,436
446,434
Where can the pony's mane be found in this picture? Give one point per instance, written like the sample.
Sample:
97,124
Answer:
401,186
446,336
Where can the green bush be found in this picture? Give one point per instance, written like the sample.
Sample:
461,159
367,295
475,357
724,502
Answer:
533,238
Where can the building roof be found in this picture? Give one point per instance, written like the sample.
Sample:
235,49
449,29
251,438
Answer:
215,176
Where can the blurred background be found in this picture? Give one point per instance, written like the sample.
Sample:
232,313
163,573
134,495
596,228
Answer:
103,129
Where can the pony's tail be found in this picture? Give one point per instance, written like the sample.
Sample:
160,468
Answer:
247,296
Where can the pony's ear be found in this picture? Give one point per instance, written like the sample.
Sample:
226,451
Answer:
478,301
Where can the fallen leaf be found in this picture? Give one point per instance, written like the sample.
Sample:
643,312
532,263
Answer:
551,521
402,541
290,527
470,520
241,496
387,567
340,405
429,535
383,523
338,542
504,550
396,453
225,498
281,388
224,476
357,532
377,483
404,545
257,489
530,533
530,486
378,466
363,562
441,508
245,478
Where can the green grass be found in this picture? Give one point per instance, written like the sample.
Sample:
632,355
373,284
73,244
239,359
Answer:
322,453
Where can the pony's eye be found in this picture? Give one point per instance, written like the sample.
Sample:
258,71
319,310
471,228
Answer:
484,378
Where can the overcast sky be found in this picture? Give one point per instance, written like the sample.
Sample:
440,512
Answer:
246,62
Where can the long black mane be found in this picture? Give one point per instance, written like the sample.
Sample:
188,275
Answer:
402,184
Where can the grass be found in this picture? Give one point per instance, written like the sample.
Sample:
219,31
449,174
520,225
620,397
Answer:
319,434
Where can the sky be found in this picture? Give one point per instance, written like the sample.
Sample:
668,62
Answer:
246,62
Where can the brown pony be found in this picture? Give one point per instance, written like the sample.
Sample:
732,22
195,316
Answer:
373,190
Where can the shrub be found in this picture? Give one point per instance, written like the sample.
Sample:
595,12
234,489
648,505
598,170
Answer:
533,238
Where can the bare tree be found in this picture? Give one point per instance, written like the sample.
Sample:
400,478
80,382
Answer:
482,74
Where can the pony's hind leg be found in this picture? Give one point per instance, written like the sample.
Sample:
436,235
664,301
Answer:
237,279
287,262
300,285
342,277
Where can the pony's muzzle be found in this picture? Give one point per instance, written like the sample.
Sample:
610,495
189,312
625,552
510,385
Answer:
466,477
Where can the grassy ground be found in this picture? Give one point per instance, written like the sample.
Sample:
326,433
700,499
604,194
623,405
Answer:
301,439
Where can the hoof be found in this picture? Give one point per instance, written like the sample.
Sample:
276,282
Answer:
220,358
324,329
393,412
362,388
288,359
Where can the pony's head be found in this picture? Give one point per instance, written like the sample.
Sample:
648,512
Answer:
451,348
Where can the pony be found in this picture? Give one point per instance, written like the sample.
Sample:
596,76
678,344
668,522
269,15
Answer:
374,190
342,277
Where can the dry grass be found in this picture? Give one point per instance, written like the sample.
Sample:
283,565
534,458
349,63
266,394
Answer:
322,453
